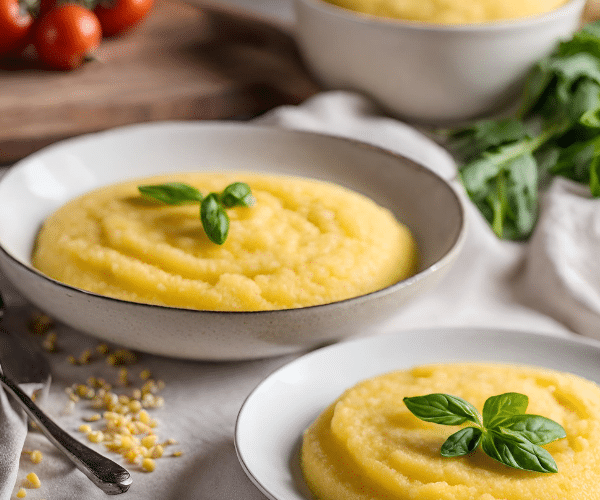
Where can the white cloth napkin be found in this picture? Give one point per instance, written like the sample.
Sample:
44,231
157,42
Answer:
562,272
549,286
13,429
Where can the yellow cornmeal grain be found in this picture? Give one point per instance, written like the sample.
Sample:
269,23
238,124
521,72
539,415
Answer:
367,445
33,481
303,243
451,11
36,456
148,464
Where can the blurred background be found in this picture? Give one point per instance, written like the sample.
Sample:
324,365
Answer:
193,59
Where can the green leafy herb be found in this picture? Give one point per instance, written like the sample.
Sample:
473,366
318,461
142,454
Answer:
506,433
555,133
213,216
442,409
172,193
214,219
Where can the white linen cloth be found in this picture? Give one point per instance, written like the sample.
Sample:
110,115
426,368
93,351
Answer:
550,285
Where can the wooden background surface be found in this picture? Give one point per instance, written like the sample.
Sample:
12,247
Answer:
186,61
183,62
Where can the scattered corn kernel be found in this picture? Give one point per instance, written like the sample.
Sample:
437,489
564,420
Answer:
96,436
83,391
123,376
121,357
177,453
72,359
69,407
102,349
85,357
33,481
134,406
148,464
49,343
149,441
21,493
128,428
131,456
40,323
156,451
36,456
127,442
143,416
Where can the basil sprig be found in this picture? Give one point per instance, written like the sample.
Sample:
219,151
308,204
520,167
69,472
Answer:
504,431
215,220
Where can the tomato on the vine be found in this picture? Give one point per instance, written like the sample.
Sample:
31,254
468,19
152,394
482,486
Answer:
117,16
15,23
66,36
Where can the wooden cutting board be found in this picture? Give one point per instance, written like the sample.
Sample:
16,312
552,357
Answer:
183,62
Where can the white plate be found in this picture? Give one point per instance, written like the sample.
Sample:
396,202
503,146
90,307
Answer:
272,419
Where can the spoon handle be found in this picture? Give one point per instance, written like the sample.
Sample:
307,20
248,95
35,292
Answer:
109,476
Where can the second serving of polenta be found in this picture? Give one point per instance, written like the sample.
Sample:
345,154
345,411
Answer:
367,445
304,242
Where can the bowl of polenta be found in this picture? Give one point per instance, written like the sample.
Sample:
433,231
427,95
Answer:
435,61
223,241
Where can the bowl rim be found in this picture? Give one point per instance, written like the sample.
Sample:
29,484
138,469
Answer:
442,262
521,23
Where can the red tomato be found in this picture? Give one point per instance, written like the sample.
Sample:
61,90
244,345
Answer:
118,15
15,24
66,35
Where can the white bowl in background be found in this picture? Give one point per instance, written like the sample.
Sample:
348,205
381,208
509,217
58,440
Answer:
38,185
428,73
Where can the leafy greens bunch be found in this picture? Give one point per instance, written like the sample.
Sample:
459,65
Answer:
555,133
505,432
215,220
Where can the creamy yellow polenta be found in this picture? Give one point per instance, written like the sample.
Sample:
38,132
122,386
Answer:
303,243
451,11
367,445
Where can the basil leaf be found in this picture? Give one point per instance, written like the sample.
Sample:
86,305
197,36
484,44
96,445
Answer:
535,428
214,219
462,442
237,194
172,193
512,449
471,141
442,409
503,185
498,408
595,175
560,110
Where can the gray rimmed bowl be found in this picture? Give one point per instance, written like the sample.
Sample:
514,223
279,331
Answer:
42,182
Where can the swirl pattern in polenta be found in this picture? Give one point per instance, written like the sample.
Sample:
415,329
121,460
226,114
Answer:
303,243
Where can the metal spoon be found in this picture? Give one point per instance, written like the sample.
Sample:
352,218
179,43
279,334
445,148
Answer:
109,476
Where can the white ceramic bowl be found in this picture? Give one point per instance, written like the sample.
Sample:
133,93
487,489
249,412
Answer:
39,184
424,72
